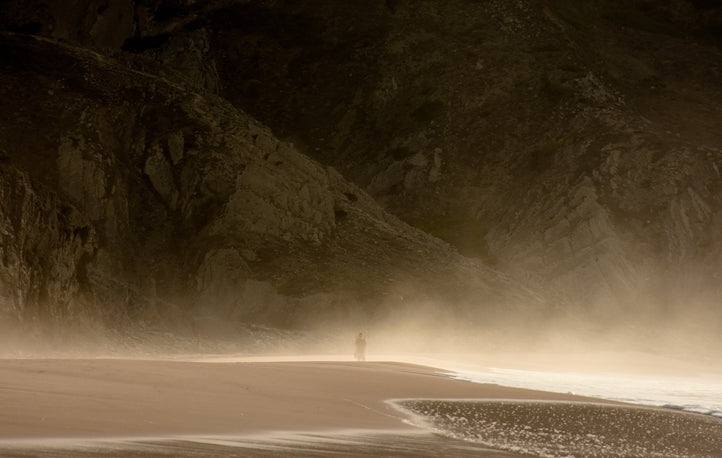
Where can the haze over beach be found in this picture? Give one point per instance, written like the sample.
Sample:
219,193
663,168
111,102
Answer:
361,228
498,404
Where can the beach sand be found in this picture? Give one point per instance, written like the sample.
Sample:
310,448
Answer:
131,408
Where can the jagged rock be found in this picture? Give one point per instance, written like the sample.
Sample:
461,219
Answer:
510,129
46,247
189,54
198,208
97,23
575,147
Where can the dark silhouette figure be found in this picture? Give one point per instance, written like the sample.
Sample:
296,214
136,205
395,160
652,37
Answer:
196,329
360,353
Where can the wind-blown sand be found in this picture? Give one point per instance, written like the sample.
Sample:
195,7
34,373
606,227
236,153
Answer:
174,408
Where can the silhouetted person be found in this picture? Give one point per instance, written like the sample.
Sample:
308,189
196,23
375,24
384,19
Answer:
360,353
196,329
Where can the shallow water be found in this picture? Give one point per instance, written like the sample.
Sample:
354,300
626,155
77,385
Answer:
667,382
698,393
569,429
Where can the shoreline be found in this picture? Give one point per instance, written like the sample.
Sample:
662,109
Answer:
89,398
213,408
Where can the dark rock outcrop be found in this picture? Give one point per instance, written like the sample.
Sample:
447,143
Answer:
574,148
47,246
178,205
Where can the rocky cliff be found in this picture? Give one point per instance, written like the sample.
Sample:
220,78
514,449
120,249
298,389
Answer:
569,152
132,199
575,146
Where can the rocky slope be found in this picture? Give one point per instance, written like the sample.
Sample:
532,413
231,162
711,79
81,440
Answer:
574,147
131,199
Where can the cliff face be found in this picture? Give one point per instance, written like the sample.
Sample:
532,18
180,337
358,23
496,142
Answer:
48,266
571,153
574,146
130,198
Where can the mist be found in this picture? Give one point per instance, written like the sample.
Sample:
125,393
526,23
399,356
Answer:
495,194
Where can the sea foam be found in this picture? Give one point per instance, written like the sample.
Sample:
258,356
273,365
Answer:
698,394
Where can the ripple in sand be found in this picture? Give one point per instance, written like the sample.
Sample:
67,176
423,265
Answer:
349,444
566,429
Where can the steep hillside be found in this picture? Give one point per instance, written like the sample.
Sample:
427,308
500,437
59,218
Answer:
132,199
570,151
574,145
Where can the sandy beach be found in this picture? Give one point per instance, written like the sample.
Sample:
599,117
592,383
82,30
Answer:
121,407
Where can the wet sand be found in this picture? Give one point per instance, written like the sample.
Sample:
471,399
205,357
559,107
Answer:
573,429
130,408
